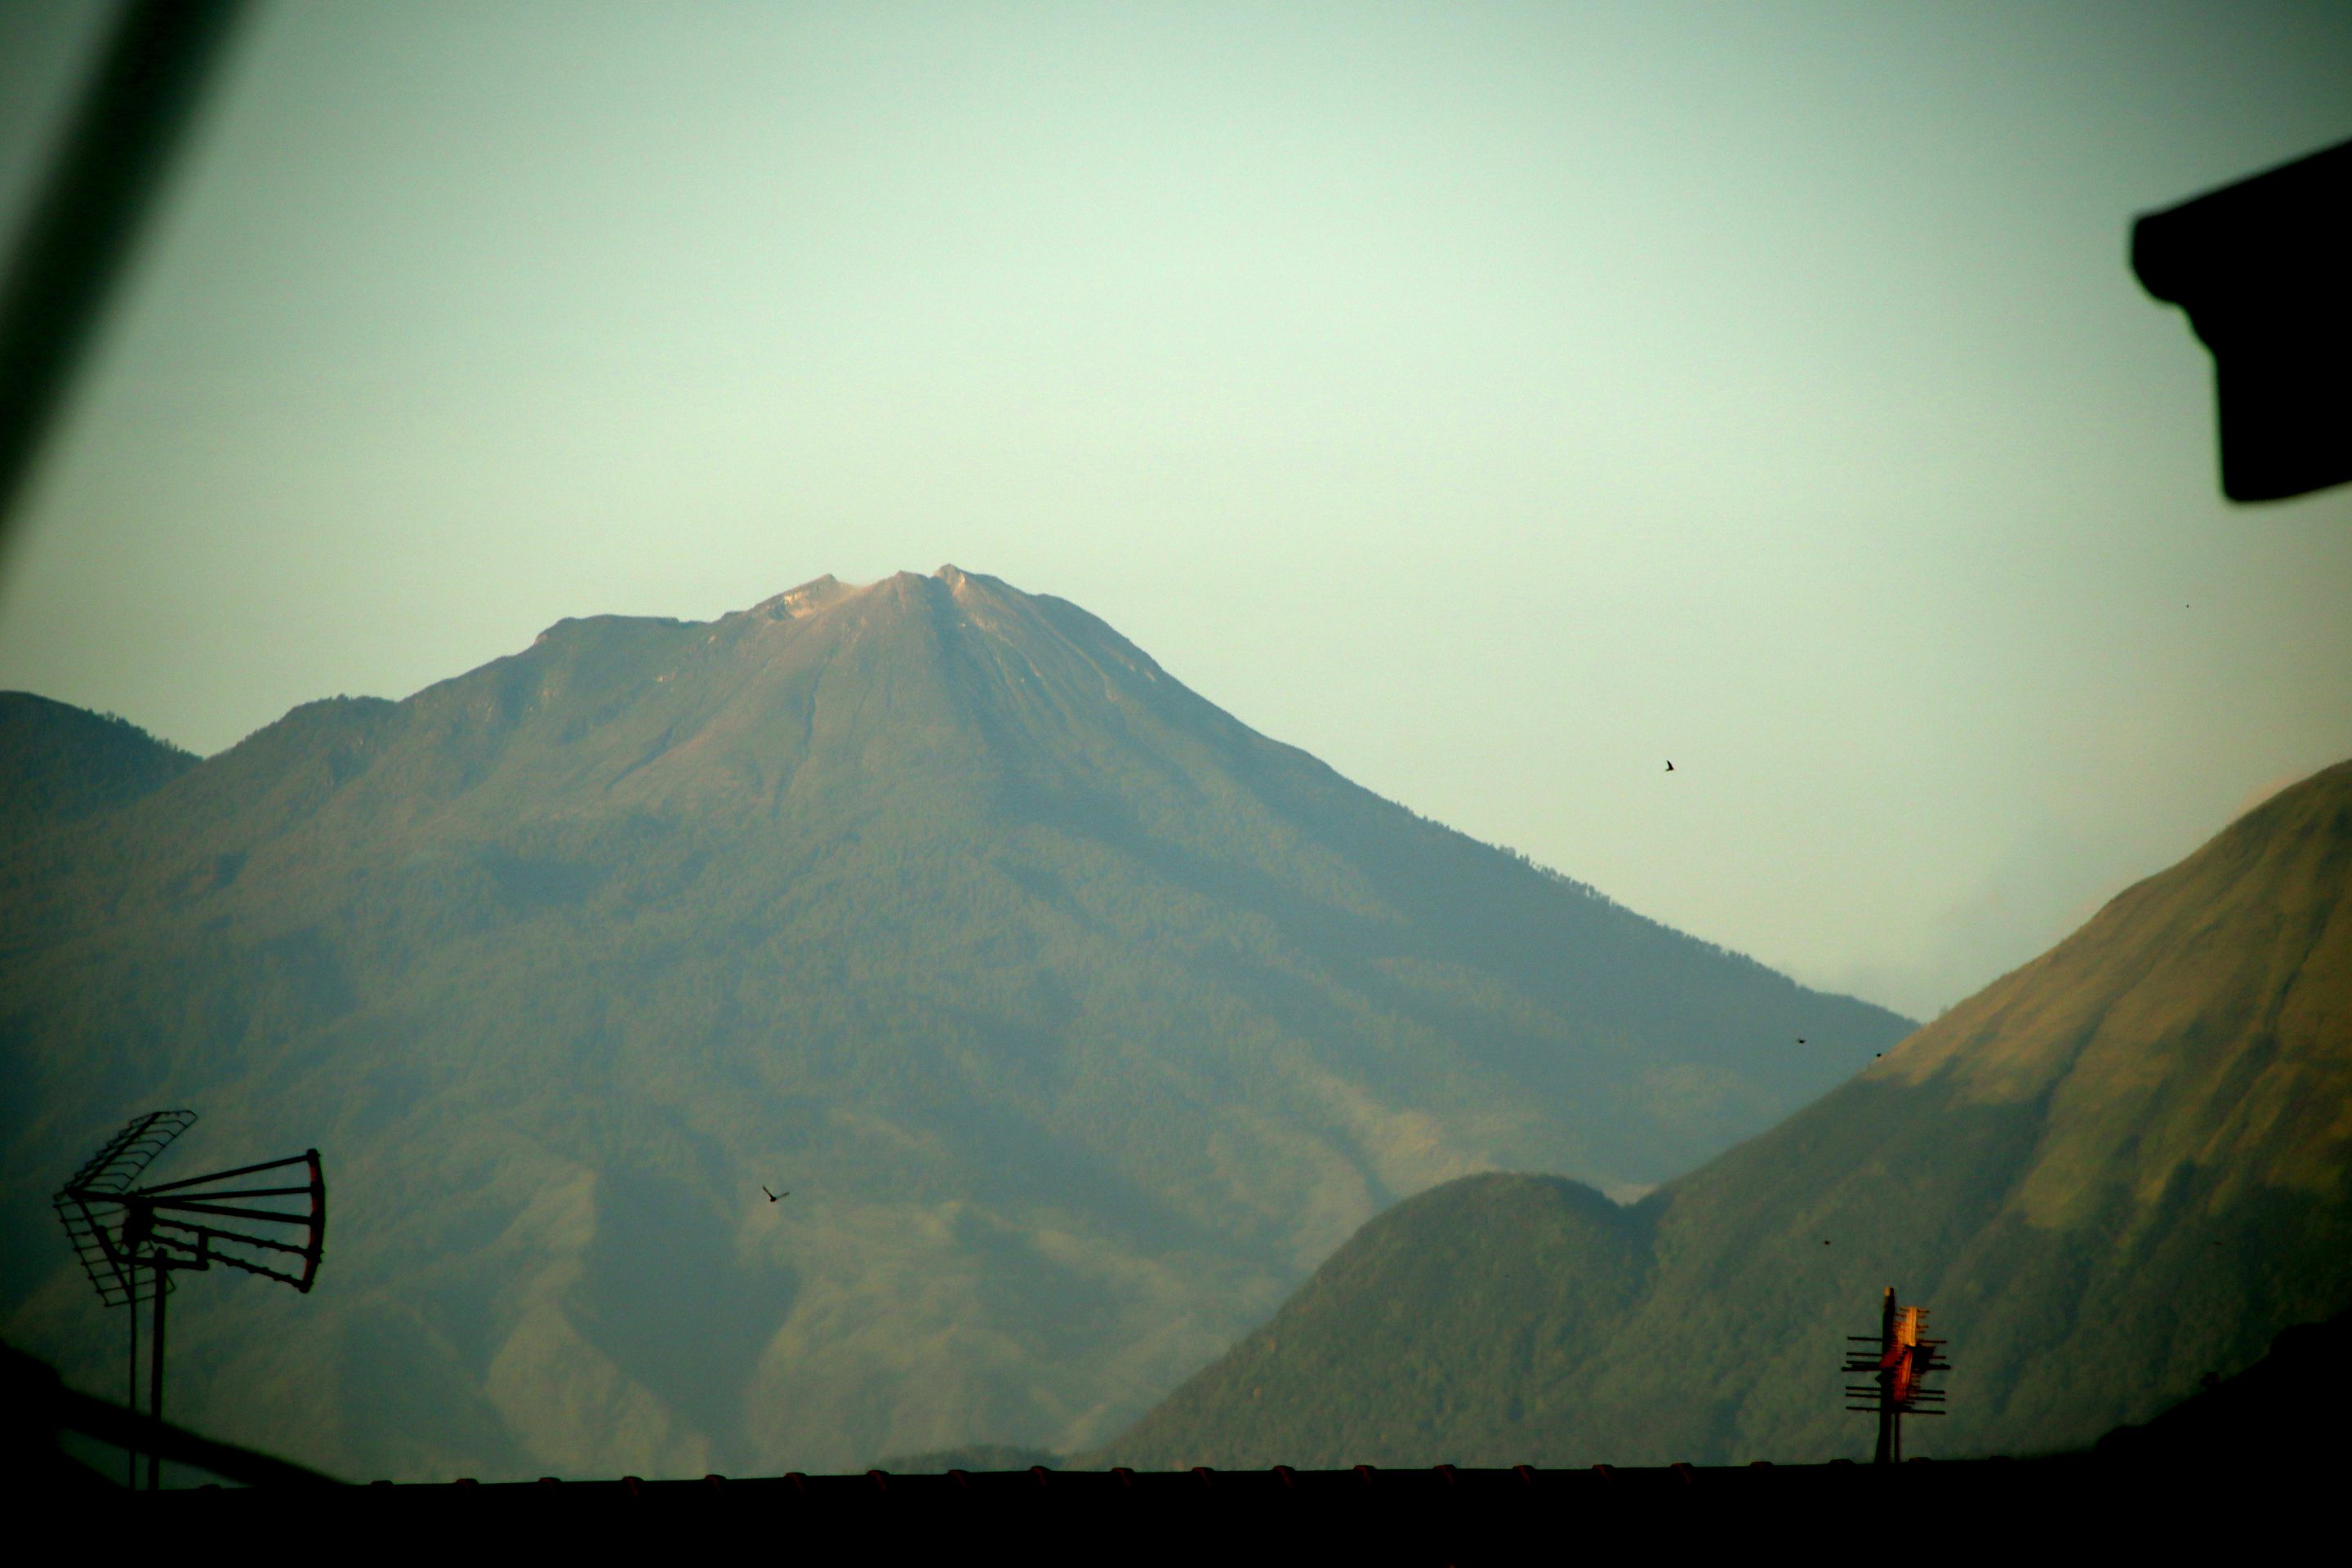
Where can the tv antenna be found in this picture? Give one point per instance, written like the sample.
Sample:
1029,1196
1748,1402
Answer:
132,1239
1900,1358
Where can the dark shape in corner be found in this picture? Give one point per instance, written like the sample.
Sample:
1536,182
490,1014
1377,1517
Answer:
2261,267
2286,1407
87,218
36,1405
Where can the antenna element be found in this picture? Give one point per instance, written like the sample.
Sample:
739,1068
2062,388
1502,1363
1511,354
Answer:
269,1220
1900,1360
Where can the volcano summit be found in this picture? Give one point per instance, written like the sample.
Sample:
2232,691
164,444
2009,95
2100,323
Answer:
1081,1020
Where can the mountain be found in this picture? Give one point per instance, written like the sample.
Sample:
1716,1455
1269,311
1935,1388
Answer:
2118,1169
1078,1019
59,762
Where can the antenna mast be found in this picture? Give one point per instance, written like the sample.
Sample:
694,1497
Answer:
1900,1357
131,1240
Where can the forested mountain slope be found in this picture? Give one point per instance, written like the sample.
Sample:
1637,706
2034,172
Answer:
59,762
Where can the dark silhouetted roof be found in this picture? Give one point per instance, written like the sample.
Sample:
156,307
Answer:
2242,1461
2261,267
1220,1517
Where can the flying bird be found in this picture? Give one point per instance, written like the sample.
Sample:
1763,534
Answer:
1670,766
773,1197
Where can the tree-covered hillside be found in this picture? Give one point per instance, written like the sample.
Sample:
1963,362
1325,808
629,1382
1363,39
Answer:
1079,1019
59,762
2122,1166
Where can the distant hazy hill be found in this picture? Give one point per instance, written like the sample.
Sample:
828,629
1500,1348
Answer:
1079,1019
2119,1168
59,762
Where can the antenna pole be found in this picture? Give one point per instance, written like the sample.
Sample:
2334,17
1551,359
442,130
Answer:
131,1396
155,1382
1890,1430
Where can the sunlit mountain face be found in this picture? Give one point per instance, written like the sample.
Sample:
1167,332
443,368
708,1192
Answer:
2111,1174
1080,1021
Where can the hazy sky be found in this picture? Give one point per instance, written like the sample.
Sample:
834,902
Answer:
1494,401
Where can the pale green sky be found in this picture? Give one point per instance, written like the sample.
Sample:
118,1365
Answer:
1494,401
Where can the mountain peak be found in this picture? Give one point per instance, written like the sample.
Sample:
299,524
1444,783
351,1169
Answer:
792,604
821,593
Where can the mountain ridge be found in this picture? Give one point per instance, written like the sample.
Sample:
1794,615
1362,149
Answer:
2118,1168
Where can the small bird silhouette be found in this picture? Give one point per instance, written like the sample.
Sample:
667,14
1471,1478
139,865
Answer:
1670,767
1801,1039
773,1197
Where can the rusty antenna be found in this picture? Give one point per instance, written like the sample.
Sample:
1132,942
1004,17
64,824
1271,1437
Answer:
1900,1359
